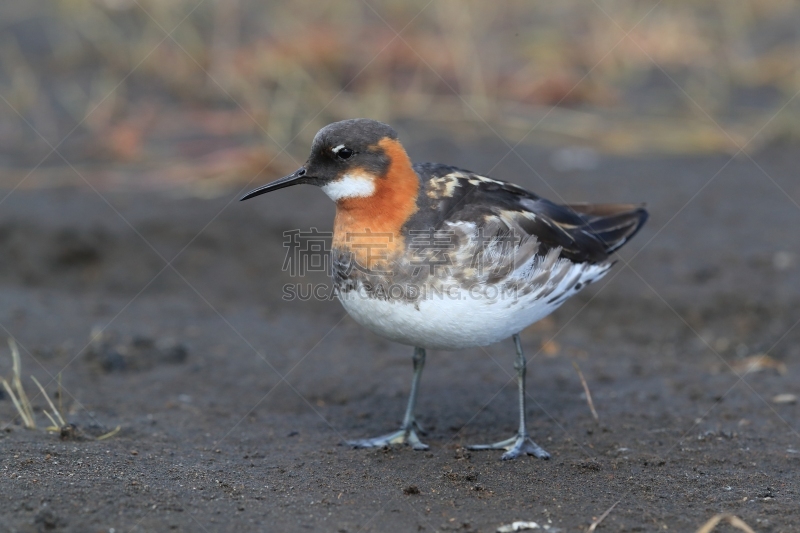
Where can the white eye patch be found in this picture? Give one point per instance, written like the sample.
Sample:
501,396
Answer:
349,186
336,149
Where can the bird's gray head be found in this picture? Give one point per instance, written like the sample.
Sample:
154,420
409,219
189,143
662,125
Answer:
346,157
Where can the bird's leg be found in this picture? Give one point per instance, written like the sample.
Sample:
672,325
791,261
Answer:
522,443
408,430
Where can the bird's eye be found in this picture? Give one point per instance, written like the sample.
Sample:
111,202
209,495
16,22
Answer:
344,153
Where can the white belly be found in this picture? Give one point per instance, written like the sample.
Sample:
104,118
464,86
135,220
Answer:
459,318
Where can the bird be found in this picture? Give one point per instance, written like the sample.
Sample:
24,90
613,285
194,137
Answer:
441,258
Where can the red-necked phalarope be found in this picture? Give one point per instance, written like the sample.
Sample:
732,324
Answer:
437,257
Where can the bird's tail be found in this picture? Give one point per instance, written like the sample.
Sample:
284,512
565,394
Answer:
612,224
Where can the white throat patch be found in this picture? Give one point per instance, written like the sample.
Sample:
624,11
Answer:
350,186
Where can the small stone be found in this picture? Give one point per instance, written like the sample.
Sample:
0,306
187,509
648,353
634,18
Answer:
69,432
785,398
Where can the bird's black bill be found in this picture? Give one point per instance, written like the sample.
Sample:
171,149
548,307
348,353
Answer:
295,178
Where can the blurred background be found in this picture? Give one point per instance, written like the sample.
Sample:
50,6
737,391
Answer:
215,92
149,303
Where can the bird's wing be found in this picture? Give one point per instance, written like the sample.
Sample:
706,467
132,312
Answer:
583,233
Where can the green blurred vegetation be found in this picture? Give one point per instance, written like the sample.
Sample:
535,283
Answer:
236,80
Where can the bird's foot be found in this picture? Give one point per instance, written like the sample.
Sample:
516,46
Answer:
403,436
515,446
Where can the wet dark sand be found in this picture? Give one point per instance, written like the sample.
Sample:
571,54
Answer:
242,433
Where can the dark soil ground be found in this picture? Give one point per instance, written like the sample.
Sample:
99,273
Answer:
232,402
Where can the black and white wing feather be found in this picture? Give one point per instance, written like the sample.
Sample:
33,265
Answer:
583,233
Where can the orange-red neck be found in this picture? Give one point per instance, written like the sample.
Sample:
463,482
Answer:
370,226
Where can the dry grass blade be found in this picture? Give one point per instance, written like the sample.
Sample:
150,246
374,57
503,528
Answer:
602,517
25,403
29,423
109,434
50,402
55,426
735,521
586,390
60,395
20,399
